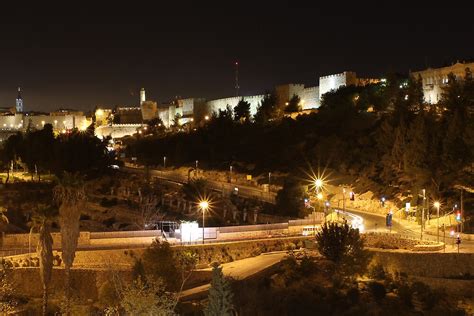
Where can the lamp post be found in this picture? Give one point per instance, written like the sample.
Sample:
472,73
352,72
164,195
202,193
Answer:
197,164
343,199
437,205
318,184
423,214
230,174
204,205
164,162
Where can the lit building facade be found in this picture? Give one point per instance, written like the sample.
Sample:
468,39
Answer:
434,79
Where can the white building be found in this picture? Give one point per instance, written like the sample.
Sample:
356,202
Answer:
434,79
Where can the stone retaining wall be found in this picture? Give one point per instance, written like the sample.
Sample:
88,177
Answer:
435,265
395,241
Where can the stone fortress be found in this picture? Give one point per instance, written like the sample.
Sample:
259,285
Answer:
128,120
199,109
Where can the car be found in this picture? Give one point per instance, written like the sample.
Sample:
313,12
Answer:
114,167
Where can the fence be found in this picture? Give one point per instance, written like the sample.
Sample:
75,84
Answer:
125,234
248,228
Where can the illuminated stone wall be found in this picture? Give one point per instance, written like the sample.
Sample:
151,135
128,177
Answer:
149,110
116,130
20,122
221,104
334,82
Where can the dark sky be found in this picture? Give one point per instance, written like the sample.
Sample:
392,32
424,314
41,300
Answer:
81,57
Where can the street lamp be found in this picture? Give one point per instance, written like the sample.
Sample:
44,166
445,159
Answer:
197,162
230,173
318,183
437,205
164,162
204,205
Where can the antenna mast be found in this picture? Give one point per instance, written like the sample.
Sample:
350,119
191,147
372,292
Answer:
237,78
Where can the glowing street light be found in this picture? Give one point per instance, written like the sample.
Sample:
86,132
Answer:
319,196
318,183
204,205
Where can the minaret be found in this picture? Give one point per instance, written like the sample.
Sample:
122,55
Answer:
142,96
19,102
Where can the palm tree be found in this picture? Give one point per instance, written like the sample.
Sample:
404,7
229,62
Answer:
44,249
70,195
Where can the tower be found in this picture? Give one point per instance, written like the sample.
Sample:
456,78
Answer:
19,101
142,96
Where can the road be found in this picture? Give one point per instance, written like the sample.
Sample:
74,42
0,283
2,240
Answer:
241,190
376,223
240,269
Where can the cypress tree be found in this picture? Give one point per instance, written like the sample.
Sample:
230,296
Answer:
220,295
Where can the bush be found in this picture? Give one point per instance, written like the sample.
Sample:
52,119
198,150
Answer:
84,217
378,291
353,295
343,245
108,203
108,295
109,221
376,272
405,294
426,295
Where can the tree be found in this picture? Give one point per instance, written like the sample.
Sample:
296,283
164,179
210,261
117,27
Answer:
415,96
159,262
81,152
148,211
70,195
343,245
220,295
294,105
147,297
268,110
156,126
8,302
290,199
242,111
44,251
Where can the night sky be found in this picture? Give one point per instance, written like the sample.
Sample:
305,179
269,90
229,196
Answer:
81,57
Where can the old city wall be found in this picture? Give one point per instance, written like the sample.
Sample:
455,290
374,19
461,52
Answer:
117,130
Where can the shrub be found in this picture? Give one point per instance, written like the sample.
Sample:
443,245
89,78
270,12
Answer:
343,245
109,221
108,295
108,202
405,294
376,272
84,217
378,291
426,295
353,295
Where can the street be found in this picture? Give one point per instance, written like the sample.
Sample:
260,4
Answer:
376,223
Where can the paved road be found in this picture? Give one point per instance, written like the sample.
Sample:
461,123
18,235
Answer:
240,269
376,222
242,190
